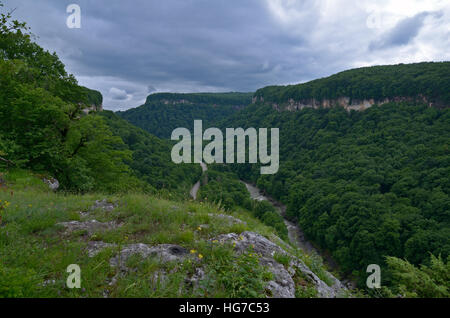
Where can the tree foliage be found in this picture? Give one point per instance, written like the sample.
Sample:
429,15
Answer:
431,281
164,112
363,185
43,125
151,161
224,188
428,79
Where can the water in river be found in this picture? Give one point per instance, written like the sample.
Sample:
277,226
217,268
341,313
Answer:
295,233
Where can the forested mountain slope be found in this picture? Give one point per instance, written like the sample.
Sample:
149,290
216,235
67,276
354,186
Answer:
151,159
45,127
363,185
361,88
164,112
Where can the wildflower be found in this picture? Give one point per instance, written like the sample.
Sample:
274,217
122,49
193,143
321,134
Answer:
193,251
199,228
30,205
200,256
215,241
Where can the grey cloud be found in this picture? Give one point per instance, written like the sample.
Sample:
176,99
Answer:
403,32
118,94
201,45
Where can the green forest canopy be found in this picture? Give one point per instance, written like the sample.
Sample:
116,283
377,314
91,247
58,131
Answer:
363,185
165,112
428,79
43,126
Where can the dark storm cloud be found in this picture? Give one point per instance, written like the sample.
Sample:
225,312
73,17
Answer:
405,30
205,45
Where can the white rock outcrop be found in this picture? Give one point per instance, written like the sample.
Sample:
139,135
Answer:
282,286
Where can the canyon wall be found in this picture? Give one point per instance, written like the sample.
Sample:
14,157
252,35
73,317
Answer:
345,102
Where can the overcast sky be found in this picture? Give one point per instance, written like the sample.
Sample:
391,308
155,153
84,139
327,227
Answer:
129,49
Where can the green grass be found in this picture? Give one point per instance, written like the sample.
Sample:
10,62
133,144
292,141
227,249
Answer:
283,259
35,251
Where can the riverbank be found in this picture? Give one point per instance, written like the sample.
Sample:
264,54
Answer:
296,235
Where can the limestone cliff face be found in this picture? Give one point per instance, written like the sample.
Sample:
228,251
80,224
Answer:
176,102
186,102
93,109
345,102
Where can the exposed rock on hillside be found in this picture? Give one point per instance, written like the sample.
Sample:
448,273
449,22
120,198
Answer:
228,218
104,205
283,285
90,226
95,247
163,252
286,274
52,183
346,102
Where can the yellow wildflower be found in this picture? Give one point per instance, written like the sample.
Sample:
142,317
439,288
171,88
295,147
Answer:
200,256
193,251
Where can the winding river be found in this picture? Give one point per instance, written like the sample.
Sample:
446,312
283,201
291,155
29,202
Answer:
296,236
295,233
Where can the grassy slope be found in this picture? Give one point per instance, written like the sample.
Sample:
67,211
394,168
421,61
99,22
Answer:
35,249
